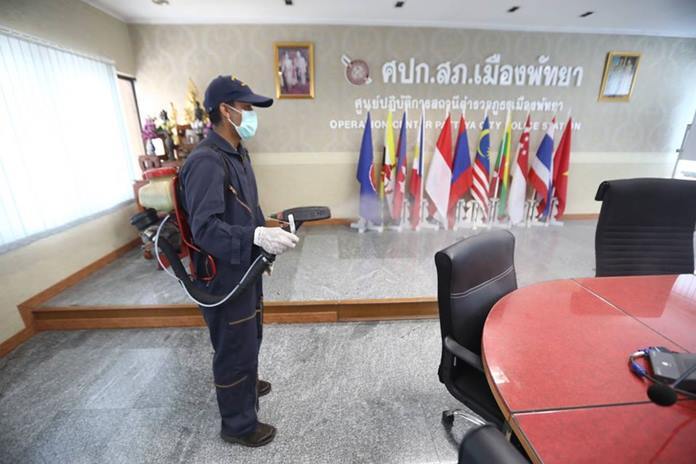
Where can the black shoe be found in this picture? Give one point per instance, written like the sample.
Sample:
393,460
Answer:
263,435
263,388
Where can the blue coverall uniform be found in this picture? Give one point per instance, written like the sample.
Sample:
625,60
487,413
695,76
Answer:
223,216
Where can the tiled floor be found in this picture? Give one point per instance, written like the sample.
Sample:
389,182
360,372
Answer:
338,263
342,393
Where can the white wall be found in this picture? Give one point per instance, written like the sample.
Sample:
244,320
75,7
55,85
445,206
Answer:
26,271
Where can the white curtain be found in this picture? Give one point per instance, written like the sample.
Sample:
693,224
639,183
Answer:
64,151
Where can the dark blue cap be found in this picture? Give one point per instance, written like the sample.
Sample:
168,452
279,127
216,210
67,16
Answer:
228,88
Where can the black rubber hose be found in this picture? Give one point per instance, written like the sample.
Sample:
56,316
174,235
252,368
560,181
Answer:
252,274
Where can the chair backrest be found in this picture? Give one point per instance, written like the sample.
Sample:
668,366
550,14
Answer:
646,226
472,275
487,445
149,162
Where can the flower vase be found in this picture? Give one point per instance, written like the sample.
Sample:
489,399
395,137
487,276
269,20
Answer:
150,147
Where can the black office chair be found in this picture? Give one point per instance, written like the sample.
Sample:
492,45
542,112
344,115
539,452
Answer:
645,227
487,445
472,275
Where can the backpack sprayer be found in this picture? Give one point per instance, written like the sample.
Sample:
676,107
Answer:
293,218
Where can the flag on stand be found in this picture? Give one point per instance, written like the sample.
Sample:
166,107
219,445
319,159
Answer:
502,168
369,202
462,173
437,184
386,187
479,189
400,189
541,174
415,186
518,187
560,168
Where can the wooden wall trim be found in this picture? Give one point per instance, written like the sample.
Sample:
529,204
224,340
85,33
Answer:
16,340
41,297
27,308
188,315
579,217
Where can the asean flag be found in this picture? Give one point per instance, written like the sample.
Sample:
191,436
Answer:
369,200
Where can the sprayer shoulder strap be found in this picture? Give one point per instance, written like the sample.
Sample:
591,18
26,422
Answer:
229,187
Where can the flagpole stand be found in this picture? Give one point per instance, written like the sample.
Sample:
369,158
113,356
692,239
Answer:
554,211
478,218
492,212
424,223
360,224
402,220
363,225
528,213
538,221
461,218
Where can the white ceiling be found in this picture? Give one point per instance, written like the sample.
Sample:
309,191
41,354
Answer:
644,17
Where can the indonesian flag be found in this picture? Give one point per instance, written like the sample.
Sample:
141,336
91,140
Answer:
482,169
415,186
541,175
386,187
437,185
561,164
400,190
462,172
518,187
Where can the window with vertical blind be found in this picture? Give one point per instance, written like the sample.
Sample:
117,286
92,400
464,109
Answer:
64,152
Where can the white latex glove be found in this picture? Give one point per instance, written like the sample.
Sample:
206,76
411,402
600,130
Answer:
274,240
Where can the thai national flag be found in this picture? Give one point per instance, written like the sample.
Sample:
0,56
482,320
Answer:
369,201
482,169
541,174
462,172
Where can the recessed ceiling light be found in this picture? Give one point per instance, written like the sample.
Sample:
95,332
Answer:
160,2
513,9
288,2
586,14
399,4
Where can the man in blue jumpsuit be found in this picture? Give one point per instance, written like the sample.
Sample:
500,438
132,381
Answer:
227,224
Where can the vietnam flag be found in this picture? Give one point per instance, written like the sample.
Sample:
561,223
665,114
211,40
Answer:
437,185
400,189
415,186
561,164
462,171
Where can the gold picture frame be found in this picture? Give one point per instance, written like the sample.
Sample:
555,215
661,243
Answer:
294,69
620,70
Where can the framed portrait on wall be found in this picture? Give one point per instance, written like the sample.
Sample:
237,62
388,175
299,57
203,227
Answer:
294,69
619,76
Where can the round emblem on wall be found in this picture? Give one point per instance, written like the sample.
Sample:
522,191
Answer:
357,71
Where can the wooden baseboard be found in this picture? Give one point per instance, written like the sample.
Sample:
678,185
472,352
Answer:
120,317
579,217
42,297
27,308
15,340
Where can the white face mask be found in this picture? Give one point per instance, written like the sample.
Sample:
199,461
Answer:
247,128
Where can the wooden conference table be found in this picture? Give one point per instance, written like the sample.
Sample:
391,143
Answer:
556,358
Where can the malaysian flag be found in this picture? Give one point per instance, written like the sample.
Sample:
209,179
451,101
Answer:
482,169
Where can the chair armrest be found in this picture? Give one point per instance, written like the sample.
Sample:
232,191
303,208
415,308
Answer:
464,354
